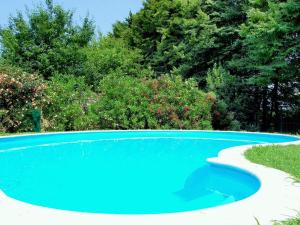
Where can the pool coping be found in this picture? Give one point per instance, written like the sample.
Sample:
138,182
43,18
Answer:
277,199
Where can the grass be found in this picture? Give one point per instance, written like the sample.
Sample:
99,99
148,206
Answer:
289,222
285,158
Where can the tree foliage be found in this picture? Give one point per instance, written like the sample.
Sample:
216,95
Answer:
218,80
46,41
173,36
270,57
110,55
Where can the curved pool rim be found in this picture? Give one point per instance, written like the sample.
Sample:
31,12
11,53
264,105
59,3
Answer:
144,130
214,161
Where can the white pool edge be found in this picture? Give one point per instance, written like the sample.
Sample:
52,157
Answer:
141,130
277,199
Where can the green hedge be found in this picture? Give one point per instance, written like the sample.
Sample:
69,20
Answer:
69,105
119,102
142,103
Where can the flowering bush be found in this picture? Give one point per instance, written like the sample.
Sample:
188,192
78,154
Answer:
69,105
179,104
143,103
20,93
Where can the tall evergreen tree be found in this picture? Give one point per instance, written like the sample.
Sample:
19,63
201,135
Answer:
271,46
173,36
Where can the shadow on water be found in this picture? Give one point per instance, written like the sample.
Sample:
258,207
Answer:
225,182
196,185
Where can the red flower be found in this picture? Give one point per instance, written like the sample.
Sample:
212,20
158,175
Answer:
186,109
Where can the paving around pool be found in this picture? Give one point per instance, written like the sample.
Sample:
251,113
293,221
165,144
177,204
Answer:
141,178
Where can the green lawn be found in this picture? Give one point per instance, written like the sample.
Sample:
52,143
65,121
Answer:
289,222
286,158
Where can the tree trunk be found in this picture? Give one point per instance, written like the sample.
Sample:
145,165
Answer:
275,107
264,124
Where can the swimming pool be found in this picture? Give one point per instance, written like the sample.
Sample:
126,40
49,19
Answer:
136,172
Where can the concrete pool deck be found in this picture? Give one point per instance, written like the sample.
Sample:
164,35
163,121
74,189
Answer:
277,199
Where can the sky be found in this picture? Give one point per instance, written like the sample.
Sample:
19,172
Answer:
104,12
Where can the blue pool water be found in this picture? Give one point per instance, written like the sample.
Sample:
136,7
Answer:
138,172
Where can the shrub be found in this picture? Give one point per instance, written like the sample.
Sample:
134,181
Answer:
127,102
20,93
69,106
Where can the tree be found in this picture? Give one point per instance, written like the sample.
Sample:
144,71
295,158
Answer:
110,55
173,36
46,41
271,56
227,16
218,81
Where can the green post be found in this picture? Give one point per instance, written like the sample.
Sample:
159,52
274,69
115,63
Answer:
36,120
